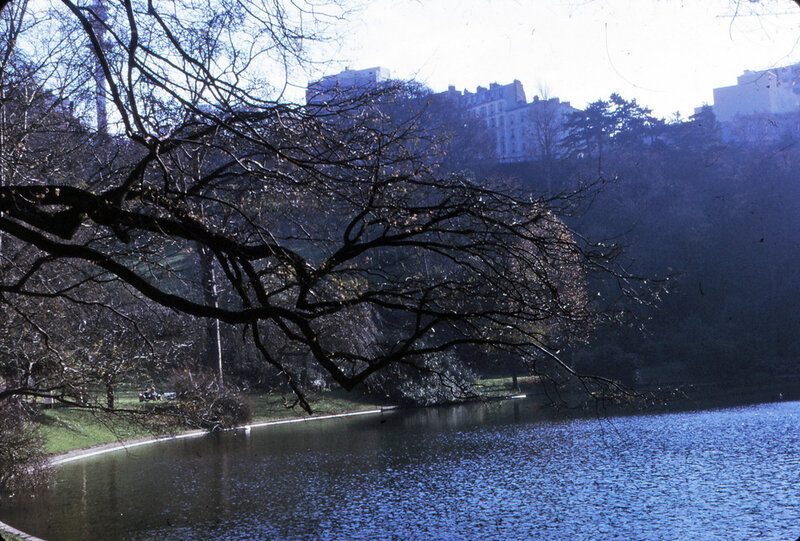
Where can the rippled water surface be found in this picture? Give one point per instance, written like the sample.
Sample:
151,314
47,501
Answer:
476,472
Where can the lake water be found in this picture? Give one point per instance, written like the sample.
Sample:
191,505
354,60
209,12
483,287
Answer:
497,471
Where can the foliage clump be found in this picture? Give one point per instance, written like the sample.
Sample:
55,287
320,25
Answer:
22,458
203,401
431,380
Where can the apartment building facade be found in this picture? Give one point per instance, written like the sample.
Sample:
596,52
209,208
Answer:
518,130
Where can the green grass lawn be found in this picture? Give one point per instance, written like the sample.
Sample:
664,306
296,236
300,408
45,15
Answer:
271,406
65,429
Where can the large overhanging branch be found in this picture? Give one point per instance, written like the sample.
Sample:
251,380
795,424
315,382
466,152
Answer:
28,204
330,232
127,275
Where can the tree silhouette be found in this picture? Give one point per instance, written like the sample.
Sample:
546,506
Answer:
314,218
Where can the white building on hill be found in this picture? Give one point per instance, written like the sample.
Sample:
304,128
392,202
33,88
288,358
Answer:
767,92
331,86
520,130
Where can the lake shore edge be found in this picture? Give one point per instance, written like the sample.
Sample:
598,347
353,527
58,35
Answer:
58,459
724,397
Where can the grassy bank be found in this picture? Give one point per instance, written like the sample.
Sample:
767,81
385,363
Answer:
5,536
496,387
66,429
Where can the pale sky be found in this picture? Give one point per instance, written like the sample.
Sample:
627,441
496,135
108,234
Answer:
668,54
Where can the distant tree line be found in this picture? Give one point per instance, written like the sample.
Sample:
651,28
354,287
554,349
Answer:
711,219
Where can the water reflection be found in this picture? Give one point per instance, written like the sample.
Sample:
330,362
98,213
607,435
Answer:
491,471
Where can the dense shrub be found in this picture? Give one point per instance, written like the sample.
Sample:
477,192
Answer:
435,379
202,401
22,458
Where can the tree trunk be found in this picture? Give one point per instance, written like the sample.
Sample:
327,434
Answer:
212,356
